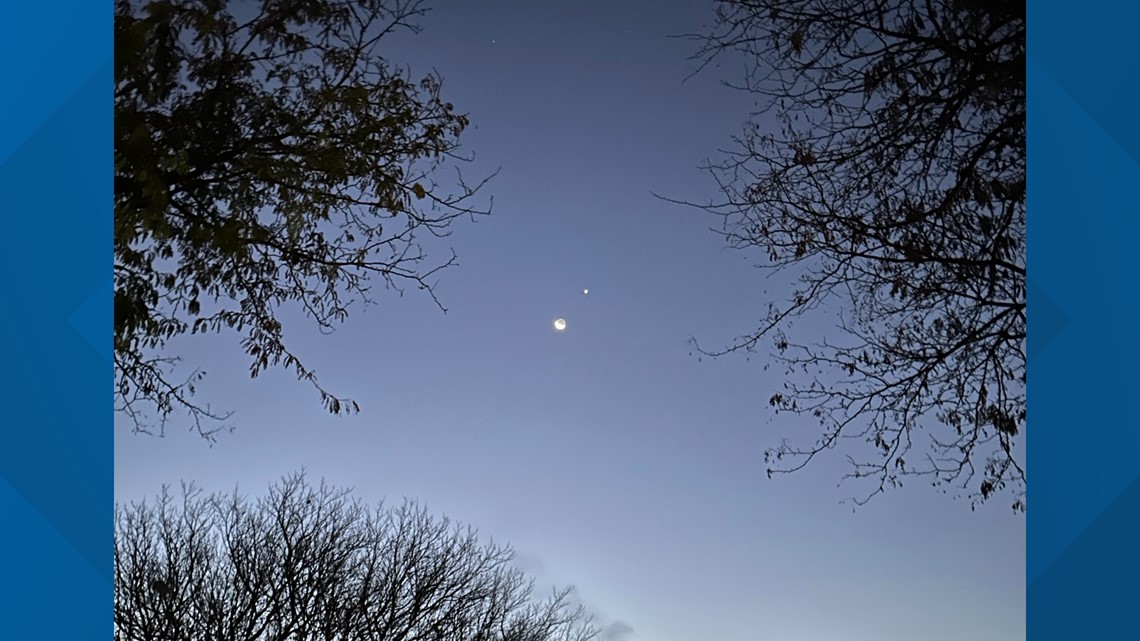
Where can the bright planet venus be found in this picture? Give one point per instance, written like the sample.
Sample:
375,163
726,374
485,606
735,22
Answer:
560,324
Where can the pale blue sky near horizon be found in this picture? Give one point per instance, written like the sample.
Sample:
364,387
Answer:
608,455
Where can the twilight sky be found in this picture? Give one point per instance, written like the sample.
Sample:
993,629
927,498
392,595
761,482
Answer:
610,457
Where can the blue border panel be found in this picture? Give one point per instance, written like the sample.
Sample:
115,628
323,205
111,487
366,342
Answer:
55,286
55,313
1084,361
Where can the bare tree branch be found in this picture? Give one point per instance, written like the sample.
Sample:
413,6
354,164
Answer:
312,563
884,175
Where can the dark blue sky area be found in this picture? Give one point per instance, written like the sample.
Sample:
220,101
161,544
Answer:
607,454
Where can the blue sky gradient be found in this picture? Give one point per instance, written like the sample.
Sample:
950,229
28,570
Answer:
611,457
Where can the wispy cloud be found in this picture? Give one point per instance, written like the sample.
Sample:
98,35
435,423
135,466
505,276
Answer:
616,631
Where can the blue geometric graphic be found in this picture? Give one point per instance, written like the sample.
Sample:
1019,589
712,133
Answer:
55,193
90,319
1049,320
1084,149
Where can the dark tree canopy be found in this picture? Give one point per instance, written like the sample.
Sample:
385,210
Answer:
266,155
884,175
312,563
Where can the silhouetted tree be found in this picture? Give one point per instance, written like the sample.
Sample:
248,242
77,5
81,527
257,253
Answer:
884,174
311,563
266,154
